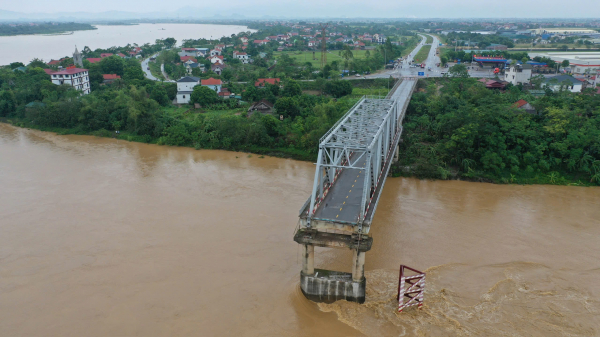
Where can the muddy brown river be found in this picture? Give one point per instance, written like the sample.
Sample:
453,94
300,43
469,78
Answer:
100,237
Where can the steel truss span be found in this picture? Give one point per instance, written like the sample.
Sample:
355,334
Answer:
352,157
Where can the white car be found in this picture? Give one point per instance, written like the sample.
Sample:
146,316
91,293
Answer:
357,75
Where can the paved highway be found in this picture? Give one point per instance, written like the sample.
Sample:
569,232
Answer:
146,70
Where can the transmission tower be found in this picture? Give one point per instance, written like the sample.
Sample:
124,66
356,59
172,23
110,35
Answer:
323,45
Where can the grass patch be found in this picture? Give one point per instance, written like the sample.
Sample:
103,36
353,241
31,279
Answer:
429,39
422,54
155,70
301,57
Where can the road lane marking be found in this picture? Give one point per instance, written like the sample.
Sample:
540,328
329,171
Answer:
337,216
352,185
344,203
350,191
340,209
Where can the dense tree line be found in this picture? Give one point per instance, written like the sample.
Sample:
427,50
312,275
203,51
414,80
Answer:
42,28
134,106
456,127
482,40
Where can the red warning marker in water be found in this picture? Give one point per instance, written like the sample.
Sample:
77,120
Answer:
410,288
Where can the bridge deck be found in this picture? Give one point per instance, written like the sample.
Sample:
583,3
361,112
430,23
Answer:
342,204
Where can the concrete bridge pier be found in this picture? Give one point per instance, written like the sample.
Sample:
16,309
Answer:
358,266
308,260
321,285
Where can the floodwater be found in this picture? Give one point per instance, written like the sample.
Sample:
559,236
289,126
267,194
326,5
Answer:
100,237
24,48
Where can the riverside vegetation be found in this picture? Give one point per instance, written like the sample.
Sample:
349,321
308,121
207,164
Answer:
456,128
42,28
141,109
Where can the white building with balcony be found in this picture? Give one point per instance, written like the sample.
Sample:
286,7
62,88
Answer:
75,77
518,74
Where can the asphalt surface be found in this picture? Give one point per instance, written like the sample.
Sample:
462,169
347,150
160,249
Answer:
147,71
342,203
405,70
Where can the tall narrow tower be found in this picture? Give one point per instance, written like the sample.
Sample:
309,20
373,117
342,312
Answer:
77,59
323,45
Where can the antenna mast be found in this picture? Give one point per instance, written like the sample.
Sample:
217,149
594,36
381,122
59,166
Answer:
323,45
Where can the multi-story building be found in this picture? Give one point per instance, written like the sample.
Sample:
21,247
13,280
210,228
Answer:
185,87
75,77
243,57
519,74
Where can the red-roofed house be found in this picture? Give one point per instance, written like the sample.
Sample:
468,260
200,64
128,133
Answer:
75,77
103,55
216,58
359,44
225,93
94,59
261,82
49,71
109,78
261,42
122,55
53,63
185,59
244,39
213,83
492,84
524,105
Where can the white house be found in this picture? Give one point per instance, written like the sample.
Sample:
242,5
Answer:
243,57
244,39
75,77
518,74
566,82
215,52
379,38
214,84
216,58
194,52
185,87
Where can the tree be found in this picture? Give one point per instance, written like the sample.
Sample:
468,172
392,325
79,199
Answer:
291,89
169,42
8,102
458,70
37,63
203,95
338,88
134,73
113,65
16,65
565,64
159,94
287,106
347,55
443,60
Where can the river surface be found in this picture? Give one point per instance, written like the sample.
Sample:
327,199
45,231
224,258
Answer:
24,48
100,237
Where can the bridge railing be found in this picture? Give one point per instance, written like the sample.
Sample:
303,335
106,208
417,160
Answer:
341,119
